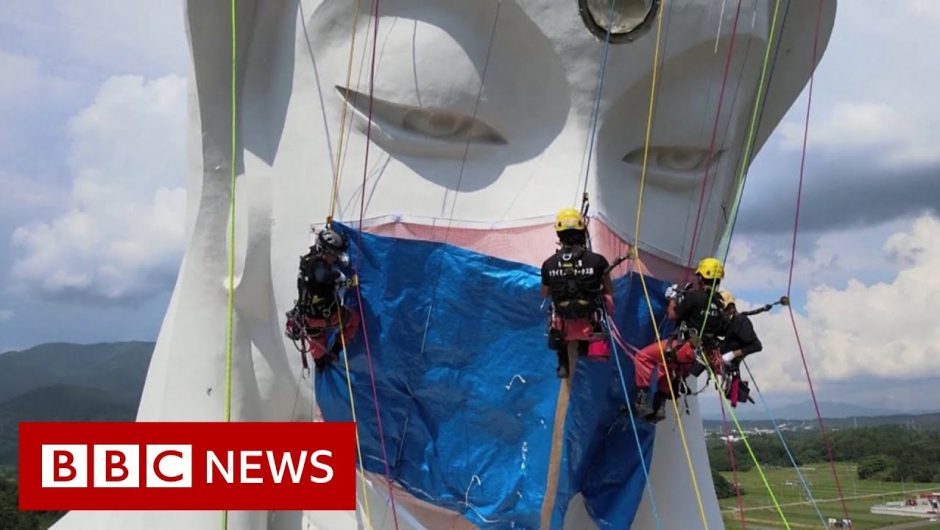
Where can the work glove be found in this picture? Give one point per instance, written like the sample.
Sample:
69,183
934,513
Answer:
728,358
672,291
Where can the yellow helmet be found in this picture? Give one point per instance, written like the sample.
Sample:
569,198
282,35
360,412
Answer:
568,219
710,269
727,298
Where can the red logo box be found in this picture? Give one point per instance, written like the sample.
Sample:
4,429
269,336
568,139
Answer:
187,466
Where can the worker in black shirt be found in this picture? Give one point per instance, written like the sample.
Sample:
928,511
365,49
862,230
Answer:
578,283
740,339
698,315
319,308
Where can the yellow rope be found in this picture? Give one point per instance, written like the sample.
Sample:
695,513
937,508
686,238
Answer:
342,124
352,406
747,444
636,244
675,406
726,244
231,251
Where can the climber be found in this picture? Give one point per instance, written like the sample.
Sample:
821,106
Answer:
697,312
740,340
321,284
578,283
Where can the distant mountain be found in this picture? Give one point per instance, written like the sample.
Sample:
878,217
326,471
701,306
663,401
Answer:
58,403
806,411
69,382
117,368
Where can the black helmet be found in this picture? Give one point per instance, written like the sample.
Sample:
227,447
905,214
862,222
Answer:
331,242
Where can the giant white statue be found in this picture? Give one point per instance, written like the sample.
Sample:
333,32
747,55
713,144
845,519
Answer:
454,144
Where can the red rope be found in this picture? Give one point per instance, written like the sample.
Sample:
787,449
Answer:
362,317
618,338
711,147
734,467
796,224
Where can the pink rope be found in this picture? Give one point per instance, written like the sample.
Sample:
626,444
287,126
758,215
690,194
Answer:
796,224
365,333
711,146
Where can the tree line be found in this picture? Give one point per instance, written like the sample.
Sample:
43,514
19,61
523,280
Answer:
886,452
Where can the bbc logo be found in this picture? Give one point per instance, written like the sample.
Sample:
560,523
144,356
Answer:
187,466
117,466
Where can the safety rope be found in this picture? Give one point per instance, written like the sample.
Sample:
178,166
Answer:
735,210
711,145
675,406
362,319
744,165
806,489
460,176
747,444
466,148
752,129
796,224
601,75
760,120
734,466
352,407
342,124
230,324
636,239
626,395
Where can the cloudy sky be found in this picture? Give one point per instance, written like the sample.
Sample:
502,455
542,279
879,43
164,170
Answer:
94,101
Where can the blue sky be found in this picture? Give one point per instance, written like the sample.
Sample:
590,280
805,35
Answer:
93,107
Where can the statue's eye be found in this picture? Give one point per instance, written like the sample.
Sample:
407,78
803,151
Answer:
424,131
675,166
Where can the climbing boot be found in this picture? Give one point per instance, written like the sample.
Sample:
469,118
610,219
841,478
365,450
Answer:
642,404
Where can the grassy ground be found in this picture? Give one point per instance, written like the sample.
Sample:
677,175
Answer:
860,495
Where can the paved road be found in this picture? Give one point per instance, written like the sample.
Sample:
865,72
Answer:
924,523
835,499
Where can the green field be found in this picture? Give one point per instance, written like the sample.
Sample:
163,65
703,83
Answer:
860,495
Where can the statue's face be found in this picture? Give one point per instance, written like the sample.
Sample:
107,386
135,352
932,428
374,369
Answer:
516,151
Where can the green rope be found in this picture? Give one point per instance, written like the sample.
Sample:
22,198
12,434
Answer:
727,234
752,130
231,249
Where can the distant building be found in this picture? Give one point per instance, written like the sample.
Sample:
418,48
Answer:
926,505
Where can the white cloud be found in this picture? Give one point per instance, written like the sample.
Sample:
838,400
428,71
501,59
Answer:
22,196
762,262
929,9
122,231
874,130
881,330
26,82
144,36
21,76
127,36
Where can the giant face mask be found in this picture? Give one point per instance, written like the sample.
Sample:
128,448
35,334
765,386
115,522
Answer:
479,126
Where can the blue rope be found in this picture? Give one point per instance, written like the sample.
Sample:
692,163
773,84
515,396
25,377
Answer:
589,148
786,447
636,436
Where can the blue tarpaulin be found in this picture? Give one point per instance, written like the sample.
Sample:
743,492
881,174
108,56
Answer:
467,388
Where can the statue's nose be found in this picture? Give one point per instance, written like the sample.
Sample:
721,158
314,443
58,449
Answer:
625,20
